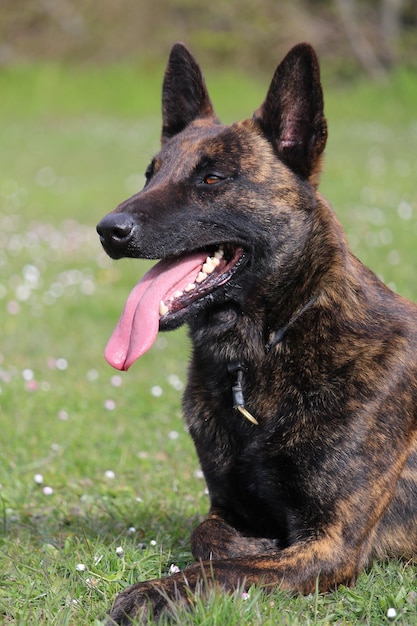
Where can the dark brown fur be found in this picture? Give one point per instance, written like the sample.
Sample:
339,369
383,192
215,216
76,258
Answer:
328,479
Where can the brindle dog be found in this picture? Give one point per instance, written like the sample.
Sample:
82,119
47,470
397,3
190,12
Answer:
302,390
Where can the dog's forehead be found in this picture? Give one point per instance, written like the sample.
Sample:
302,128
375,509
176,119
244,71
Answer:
210,141
198,137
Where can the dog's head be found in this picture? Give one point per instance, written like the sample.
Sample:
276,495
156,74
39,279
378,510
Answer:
219,201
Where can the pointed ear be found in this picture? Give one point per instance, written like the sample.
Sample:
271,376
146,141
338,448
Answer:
184,93
292,115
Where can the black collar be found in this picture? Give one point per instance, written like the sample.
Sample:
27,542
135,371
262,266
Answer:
278,335
238,367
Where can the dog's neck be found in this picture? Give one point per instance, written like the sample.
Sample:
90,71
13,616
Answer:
239,368
278,335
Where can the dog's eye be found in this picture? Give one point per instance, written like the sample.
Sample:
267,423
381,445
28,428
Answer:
149,172
212,179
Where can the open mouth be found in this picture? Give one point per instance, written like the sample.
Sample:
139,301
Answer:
216,269
165,294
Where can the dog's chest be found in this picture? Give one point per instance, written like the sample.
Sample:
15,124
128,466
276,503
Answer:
236,453
255,480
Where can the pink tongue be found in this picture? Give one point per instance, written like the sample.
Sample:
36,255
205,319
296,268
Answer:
138,325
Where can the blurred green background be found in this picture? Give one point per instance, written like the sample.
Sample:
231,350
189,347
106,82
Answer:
90,459
251,34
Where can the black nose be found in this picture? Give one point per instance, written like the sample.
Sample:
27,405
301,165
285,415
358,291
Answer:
116,232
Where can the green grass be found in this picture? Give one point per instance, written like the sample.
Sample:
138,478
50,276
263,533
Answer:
73,144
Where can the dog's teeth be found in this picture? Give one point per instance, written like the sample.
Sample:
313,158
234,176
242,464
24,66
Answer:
208,266
163,308
219,254
189,287
216,261
200,277
177,294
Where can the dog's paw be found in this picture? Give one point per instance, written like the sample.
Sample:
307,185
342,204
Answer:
146,602
141,602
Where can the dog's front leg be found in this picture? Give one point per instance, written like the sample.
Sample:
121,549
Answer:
297,568
212,539
215,538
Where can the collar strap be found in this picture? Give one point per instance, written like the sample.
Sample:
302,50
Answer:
238,368
278,335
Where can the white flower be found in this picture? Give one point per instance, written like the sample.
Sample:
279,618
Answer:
80,567
173,569
48,491
119,551
38,478
156,391
92,375
391,614
175,382
28,375
110,475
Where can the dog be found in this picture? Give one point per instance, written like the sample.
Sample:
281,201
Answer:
302,390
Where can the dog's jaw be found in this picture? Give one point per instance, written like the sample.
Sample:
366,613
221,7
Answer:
173,290
216,271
